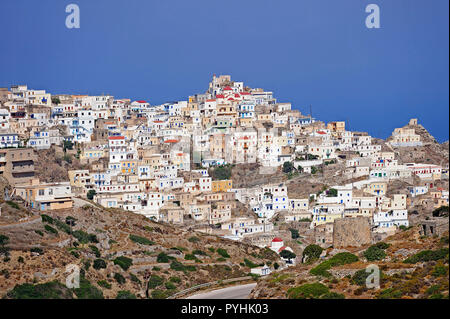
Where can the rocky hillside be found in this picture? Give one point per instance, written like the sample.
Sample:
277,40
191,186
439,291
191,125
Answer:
431,152
411,267
120,254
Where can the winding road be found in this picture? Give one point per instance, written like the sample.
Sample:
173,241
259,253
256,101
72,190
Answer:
235,292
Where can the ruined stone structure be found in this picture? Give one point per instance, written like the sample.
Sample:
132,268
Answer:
434,227
353,232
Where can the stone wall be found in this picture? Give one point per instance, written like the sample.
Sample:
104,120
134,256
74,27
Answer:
353,232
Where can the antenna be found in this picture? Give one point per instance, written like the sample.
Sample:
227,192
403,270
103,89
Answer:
310,111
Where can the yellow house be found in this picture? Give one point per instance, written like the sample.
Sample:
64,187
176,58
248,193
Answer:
90,155
222,186
336,126
376,188
128,166
324,218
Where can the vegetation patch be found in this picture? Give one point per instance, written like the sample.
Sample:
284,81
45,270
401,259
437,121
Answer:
125,294
222,252
99,264
427,255
49,290
374,253
84,237
141,240
123,262
308,291
312,252
337,260
155,281
104,284
88,291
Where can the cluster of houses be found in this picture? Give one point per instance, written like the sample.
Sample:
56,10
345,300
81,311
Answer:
154,160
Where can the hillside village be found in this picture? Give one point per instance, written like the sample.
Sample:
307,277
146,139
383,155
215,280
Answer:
232,164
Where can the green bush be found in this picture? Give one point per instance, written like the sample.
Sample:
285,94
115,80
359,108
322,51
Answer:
88,291
123,262
84,237
119,278
222,252
288,167
40,233
158,294
47,219
99,264
332,192
104,284
134,278
222,172
155,281
294,233
440,271
390,293
49,290
359,277
308,291
193,239
441,211
332,295
286,254
312,252
90,194
198,252
50,229
337,260
162,258
374,253
249,263
175,279
3,240
125,294
62,226
169,285
191,257
141,240
427,255
95,250
176,265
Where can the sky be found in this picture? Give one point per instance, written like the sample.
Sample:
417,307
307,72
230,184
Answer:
308,52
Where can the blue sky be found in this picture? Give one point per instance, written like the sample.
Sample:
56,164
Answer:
316,52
